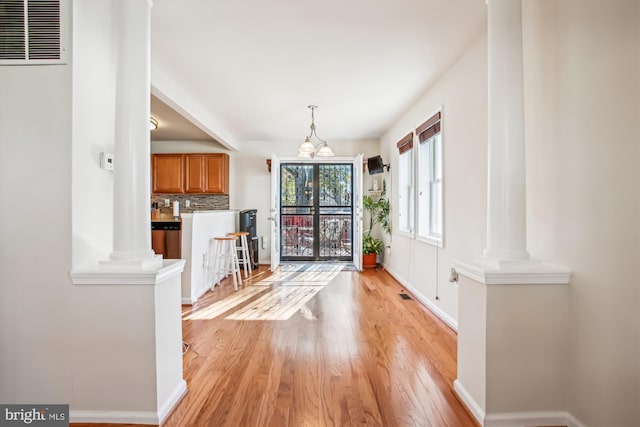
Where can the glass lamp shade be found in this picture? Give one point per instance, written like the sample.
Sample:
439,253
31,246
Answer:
325,151
306,149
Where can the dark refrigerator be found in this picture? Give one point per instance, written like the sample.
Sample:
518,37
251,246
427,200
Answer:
247,222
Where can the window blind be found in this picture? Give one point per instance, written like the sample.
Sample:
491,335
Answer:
429,128
406,143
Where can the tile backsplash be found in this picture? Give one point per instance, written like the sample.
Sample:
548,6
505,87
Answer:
197,202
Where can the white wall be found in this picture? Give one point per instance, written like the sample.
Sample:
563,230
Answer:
582,94
197,231
582,112
462,93
54,122
94,49
35,233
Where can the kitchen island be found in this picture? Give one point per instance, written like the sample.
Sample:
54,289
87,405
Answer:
198,228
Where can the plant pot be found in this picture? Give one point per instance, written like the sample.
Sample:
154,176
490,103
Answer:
368,260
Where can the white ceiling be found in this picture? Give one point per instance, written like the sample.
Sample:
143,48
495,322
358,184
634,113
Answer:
172,126
254,66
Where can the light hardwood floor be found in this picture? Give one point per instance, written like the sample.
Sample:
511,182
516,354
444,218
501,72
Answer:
354,354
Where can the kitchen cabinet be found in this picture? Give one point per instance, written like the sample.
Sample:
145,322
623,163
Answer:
195,173
166,239
167,173
217,173
201,173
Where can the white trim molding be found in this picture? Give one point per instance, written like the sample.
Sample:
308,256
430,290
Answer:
514,419
131,417
175,397
114,417
109,276
536,418
500,272
469,401
450,321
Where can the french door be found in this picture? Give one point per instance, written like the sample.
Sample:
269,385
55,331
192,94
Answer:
316,211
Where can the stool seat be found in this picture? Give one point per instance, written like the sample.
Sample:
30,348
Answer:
244,258
223,260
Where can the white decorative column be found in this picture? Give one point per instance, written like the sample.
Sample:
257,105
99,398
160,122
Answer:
512,321
132,216
134,298
506,205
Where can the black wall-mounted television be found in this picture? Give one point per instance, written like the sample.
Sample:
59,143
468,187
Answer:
375,165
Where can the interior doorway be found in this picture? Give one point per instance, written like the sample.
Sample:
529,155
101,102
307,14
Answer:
316,211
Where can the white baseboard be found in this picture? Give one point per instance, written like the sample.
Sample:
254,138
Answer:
194,297
114,417
453,324
514,419
166,408
469,402
130,417
535,418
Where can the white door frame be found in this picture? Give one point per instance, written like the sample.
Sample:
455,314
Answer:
274,212
357,203
356,245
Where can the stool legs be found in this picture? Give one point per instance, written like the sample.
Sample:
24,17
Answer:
234,266
246,259
224,261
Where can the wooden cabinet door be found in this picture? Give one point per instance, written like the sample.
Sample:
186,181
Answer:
158,242
167,173
195,167
217,173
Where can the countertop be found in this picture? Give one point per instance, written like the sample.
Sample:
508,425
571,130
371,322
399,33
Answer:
205,213
167,219
170,218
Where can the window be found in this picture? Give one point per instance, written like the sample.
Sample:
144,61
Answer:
429,181
405,184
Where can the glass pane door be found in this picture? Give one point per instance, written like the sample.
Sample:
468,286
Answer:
316,212
335,211
296,211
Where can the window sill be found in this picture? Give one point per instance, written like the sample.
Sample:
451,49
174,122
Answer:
438,242
406,234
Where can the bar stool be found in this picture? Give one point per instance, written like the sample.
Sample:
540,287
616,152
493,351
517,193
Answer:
244,257
224,260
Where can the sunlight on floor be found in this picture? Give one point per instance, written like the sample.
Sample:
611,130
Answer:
286,292
279,304
219,307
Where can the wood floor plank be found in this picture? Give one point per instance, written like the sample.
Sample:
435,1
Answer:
346,352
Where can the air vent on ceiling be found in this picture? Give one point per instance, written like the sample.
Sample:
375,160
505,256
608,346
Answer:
31,32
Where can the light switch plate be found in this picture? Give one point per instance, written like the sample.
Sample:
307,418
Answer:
106,161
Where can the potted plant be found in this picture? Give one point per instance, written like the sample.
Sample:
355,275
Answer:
371,247
378,209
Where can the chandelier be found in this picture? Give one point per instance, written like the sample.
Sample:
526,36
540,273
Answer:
308,148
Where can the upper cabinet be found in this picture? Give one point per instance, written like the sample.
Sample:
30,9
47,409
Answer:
167,172
195,173
217,173
199,173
